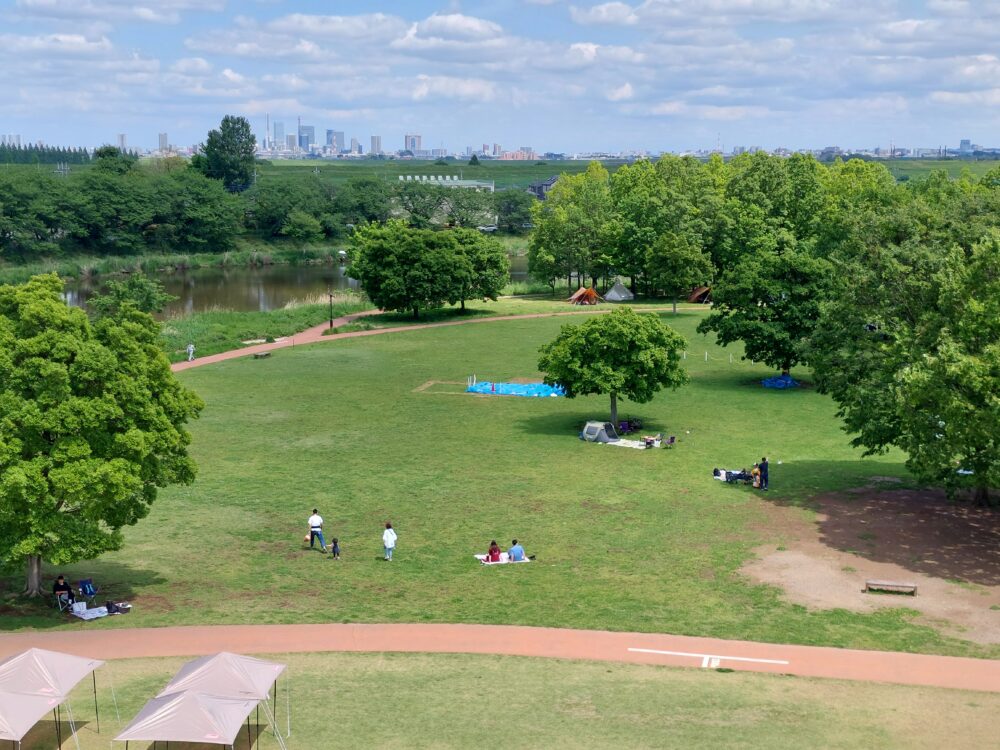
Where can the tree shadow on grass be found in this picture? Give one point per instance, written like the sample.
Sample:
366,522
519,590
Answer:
570,424
918,529
863,511
116,581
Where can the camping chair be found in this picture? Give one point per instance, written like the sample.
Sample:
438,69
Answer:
88,592
670,441
62,601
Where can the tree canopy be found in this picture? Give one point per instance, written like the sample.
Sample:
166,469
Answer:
228,154
621,353
93,425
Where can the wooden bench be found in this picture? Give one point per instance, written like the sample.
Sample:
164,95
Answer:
261,355
893,587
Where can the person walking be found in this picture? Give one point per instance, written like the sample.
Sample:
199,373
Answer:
763,473
316,530
389,540
190,351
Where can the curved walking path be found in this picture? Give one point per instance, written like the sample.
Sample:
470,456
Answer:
634,648
315,334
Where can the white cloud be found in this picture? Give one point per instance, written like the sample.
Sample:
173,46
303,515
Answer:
447,87
458,26
622,93
614,13
985,97
161,11
191,65
54,44
367,26
679,108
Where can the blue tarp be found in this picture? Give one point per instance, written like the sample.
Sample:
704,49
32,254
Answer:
528,390
780,381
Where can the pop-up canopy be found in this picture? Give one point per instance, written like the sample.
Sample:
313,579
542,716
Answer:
189,717
228,675
35,682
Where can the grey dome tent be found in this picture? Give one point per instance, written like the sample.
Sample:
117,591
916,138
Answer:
599,432
618,293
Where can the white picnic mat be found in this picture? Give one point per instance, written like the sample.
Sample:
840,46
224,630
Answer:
504,559
92,614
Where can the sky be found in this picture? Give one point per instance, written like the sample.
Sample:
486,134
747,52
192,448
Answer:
555,75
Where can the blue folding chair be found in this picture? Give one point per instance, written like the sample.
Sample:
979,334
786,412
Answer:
88,592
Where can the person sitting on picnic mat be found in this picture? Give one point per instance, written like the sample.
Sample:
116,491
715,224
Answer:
516,552
493,555
63,590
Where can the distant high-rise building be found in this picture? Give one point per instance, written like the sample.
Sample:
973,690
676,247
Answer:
331,137
355,146
376,145
307,136
486,148
290,142
497,151
164,143
411,143
279,134
965,146
122,142
340,139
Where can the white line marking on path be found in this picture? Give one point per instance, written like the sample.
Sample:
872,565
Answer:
708,660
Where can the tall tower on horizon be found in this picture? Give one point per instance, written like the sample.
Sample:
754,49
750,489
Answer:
122,142
376,145
411,142
164,143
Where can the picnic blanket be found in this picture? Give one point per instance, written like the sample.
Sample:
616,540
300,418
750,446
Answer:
504,559
92,614
641,445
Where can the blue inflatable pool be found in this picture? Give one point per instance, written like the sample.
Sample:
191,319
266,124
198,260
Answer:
528,390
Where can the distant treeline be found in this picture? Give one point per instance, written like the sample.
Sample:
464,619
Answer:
120,206
10,154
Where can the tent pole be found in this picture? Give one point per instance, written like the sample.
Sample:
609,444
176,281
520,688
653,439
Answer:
55,713
248,733
97,713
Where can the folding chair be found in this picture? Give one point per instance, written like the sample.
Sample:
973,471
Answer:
62,601
88,592
670,441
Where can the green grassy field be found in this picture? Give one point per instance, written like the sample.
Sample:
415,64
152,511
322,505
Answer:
375,429
458,701
504,174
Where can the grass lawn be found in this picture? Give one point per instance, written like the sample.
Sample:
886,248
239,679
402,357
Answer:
626,540
459,701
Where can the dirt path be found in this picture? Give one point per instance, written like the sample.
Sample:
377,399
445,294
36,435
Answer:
315,334
635,648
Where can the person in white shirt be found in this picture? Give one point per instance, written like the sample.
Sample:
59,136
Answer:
316,530
389,541
190,351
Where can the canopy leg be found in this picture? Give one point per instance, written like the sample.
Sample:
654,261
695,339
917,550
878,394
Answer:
97,712
55,713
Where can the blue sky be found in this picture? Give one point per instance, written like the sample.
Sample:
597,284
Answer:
557,75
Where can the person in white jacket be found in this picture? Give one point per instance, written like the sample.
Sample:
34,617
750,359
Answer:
389,541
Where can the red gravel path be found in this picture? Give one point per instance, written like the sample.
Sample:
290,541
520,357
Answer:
805,661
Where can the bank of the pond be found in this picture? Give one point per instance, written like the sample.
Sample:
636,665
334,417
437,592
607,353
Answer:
221,330
247,253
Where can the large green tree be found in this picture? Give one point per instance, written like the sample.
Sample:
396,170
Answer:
228,154
770,302
400,268
909,348
621,353
93,425
138,290
513,208
487,269
675,266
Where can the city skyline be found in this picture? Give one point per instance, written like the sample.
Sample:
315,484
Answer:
656,75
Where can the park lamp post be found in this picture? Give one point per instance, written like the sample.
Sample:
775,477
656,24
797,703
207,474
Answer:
329,291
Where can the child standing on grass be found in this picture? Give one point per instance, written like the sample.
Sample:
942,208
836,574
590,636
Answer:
389,541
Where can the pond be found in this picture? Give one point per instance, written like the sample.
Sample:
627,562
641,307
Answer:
245,289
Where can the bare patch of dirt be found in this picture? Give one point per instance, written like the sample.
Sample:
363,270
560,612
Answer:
153,603
952,553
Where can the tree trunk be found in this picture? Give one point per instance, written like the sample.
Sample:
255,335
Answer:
416,313
675,305
982,496
33,585
463,304
614,409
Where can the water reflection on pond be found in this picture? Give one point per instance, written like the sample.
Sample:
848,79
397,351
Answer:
245,289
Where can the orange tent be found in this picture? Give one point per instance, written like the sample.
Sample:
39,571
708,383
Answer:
701,294
585,296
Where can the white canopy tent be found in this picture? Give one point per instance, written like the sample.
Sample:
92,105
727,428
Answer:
189,717
35,682
205,701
